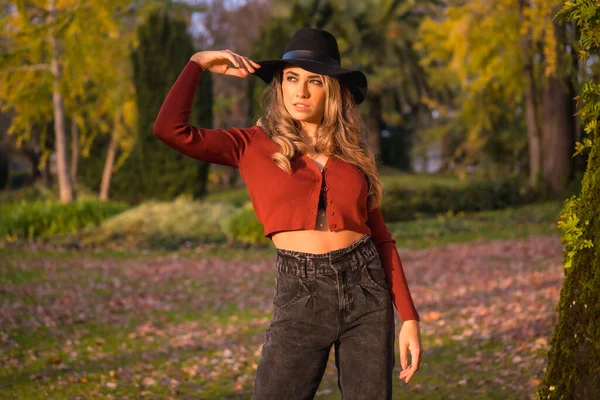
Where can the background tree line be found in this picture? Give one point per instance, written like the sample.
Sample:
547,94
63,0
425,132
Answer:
490,83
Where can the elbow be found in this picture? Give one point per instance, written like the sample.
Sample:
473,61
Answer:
159,130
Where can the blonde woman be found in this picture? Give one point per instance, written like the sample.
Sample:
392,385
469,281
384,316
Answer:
313,185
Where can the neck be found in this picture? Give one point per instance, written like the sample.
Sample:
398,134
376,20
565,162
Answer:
308,129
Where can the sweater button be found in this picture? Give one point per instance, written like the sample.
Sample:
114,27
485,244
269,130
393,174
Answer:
329,202
333,226
325,189
331,213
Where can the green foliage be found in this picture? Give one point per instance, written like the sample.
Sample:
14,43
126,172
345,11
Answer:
155,224
153,171
92,79
237,197
573,370
43,219
28,193
574,230
244,227
401,204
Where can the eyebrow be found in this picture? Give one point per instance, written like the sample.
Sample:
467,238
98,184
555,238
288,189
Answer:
295,74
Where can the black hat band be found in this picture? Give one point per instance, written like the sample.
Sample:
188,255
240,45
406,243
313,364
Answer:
311,55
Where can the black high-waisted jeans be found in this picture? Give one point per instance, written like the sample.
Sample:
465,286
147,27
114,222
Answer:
338,298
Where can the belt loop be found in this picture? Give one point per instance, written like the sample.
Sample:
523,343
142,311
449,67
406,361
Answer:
305,268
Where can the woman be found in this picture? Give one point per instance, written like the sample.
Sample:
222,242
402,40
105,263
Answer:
314,187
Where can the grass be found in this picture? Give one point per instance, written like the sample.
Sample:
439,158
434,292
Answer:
391,178
190,323
518,222
202,352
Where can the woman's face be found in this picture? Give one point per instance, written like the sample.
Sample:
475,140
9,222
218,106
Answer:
303,94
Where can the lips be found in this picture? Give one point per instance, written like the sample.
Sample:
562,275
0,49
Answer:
301,106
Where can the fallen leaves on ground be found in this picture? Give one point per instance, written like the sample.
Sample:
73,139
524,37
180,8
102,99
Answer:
499,291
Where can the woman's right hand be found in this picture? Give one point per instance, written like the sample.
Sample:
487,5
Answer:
219,62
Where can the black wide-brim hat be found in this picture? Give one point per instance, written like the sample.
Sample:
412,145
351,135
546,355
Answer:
317,51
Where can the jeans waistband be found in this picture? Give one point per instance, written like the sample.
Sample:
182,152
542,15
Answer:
344,259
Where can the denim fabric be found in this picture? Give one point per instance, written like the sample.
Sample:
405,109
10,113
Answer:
338,298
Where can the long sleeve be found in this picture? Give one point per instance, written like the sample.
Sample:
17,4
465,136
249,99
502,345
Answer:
217,146
392,265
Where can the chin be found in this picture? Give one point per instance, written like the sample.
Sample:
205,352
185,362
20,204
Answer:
303,117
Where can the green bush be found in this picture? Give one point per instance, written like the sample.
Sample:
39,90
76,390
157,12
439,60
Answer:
36,192
407,204
245,228
237,197
45,218
167,225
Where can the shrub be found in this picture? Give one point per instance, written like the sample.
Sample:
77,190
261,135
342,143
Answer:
245,228
164,224
45,218
407,204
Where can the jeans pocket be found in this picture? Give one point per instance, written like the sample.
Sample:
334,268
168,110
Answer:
374,274
288,289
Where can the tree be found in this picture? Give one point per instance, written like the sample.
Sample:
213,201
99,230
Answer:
378,37
152,171
573,370
49,55
506,56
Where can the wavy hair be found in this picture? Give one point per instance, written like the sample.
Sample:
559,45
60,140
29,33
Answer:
342,132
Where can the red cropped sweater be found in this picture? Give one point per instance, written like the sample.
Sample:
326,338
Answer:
283,202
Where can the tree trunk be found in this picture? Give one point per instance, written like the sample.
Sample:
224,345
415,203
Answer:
34,159
46,174
533,131
64,181
557,133
74,151
374,125
108,166
558,124
534,135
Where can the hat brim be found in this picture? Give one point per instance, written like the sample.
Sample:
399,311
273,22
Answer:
355,80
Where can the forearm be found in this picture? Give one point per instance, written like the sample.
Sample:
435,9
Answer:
394,271
175,111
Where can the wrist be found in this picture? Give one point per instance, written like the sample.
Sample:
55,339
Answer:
196,61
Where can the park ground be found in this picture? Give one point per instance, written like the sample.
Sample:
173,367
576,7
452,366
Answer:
190,323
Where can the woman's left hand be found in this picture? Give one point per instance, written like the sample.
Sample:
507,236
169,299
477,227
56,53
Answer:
409,340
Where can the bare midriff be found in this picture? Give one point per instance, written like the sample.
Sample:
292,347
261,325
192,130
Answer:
319,240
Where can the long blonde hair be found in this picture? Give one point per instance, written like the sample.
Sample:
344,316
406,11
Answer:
342,132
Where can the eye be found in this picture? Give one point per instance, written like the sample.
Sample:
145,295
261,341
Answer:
290,78
318,82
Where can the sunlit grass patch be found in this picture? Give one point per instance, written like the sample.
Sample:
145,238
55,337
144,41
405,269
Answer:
510,223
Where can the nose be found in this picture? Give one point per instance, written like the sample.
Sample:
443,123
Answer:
302,91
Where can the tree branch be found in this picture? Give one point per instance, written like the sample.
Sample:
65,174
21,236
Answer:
36,67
